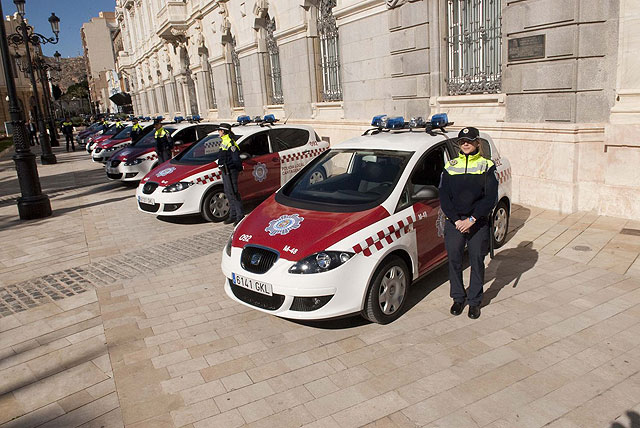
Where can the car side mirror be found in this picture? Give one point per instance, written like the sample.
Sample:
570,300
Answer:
244,156
426,193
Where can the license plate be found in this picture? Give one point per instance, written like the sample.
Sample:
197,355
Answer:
252,284
146,200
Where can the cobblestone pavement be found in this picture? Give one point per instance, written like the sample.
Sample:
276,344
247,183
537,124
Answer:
110,317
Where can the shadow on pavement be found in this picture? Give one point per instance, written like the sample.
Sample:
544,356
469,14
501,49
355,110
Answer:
634,421
507,266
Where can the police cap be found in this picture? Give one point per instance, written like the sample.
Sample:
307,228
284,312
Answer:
225,127
468,133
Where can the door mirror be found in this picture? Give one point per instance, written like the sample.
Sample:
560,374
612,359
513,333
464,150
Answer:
426,193
244,156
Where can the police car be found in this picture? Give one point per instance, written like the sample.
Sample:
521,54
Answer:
135,161
355,241
81,138
191,183
104,149
99,137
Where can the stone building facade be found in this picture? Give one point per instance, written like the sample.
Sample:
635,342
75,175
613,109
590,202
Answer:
554,82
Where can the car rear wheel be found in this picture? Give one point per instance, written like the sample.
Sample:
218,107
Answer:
215,206
317,175
387,292
500,224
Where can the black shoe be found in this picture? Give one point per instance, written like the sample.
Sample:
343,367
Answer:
474,312
229,220
456,308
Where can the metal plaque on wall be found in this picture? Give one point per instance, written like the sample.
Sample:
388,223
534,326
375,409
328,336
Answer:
530,47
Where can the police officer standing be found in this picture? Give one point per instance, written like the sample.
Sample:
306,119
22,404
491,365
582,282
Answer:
136,131
230,165
164,143
468,193
119,125
67,130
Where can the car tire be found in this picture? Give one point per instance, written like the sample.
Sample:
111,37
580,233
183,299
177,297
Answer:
319,174
500,224
387,293
215,206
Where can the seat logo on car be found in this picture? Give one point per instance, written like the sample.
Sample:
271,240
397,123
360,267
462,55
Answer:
255,259
260,172
284,224
165,171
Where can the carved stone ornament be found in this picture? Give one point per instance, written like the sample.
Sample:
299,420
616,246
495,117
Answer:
391,4
260,8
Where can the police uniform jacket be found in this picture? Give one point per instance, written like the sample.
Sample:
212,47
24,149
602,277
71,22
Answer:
469,187
163,140
67,128
136,132
229,154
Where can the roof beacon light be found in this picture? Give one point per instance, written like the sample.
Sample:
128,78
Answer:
243,120
269,118
416,122
178,119
395,122
257,119
439,120
377,120
147,118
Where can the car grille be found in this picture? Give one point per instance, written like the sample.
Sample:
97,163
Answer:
148,207
258,300
114,176
258,259
115,163
149,188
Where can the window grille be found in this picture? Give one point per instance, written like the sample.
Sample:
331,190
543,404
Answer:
275,75
329,54
474,44
237,78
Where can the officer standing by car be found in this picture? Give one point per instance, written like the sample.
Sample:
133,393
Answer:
164,143
119,125
136,131
230,165
468,193
67,130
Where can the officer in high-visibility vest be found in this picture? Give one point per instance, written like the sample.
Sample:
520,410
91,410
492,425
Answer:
119,125
164,143
136,131
468,193
67,130
230,165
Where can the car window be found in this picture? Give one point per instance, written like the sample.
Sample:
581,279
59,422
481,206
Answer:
125,133
204,151
187,135
427,172
149,139
288,138
206,129
255,145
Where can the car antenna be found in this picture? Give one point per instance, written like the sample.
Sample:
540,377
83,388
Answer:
285,121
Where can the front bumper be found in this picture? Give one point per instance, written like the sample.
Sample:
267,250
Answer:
185,202
346,284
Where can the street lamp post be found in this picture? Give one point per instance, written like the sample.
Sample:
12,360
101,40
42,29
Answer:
33,203
28,37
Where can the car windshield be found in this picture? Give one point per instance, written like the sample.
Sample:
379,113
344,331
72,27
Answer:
125,133
203,152
111,131
149,140
95,127
346,180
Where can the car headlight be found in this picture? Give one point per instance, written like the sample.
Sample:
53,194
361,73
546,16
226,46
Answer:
227,249
176,187
321,262
134,162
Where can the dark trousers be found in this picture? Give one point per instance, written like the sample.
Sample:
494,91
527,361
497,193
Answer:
230,186
477,241
69,139
164,154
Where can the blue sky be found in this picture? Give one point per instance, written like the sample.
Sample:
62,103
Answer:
72,14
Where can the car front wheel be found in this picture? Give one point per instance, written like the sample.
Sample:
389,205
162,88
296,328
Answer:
215,206
500,224
387,292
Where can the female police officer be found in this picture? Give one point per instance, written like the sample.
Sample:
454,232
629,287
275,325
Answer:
230,165
468,193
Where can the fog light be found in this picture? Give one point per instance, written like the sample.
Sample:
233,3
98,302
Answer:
130,174
171,207
307,304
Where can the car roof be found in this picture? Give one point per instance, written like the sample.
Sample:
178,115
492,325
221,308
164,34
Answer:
245,130
181,125
413,141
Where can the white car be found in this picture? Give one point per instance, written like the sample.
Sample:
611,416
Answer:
136,160
354,242
191,182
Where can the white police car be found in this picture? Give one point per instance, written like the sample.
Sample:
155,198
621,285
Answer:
191,182
355,241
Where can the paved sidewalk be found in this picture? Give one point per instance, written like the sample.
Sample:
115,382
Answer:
112,317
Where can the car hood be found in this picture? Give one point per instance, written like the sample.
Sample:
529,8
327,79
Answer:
172,172
110,143
131,153
101,138
297,233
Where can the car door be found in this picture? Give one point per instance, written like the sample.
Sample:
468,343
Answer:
261,174
183,139
429,221
292,145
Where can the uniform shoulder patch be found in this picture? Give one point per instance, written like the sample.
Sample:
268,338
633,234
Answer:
452,162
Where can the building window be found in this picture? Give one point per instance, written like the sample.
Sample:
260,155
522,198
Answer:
274,73
474,42
329,54
236,77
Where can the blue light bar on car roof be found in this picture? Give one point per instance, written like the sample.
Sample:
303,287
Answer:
439,120
269,118
178,119
243,120
147,118
377,120
395,122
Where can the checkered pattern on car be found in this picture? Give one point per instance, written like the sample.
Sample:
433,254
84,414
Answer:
504,175
208,178
152,156
292,157
385,237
